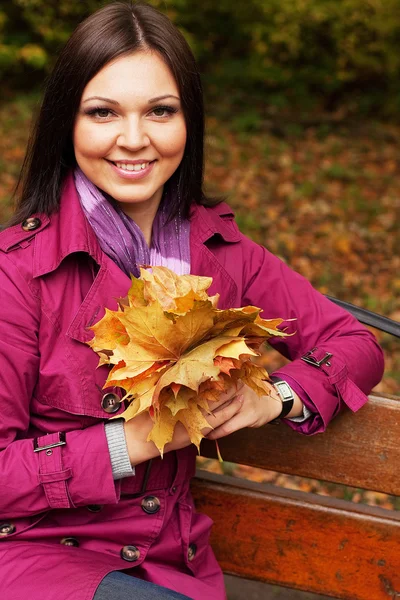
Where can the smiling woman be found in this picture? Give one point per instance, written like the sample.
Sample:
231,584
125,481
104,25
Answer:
113,179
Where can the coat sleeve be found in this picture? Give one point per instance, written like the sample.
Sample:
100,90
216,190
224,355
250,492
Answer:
320,329
33,482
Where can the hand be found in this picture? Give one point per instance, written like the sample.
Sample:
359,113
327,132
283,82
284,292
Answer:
137,429
254,411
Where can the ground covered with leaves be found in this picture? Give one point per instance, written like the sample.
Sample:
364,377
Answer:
326,199
324,195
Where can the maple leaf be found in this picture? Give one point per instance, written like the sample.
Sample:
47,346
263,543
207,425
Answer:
109,333
193,367
194,422
260,327
136,296
176,293
163,429
129,376
174,352
225,365
211,390
181,400
255,377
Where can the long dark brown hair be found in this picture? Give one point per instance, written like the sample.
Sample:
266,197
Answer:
117,29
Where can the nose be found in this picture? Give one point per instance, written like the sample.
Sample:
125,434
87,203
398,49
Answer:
133,135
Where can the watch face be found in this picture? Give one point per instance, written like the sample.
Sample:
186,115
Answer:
285,391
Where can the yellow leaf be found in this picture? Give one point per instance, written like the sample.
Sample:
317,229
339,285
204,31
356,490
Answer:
130,412
194,366
151,334
224,364
210,391
180,401
264,328
109,333
234,317
154,336
235,349
174,292
136,293
255,377
194,422
163,429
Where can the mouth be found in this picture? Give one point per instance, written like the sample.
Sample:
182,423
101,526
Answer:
132,170
127,166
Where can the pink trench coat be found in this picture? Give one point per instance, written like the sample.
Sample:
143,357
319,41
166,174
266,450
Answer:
64,522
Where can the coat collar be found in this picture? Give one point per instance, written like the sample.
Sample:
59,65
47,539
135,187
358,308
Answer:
216,220
69,232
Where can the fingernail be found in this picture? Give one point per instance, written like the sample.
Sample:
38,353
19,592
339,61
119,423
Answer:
240,398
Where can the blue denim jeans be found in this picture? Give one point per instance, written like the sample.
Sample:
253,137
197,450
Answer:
119,586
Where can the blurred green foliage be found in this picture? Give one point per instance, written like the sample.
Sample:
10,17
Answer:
301,53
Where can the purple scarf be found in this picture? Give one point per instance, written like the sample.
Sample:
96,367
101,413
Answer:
123,241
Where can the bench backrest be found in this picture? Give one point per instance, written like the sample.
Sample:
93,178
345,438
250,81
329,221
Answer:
301,540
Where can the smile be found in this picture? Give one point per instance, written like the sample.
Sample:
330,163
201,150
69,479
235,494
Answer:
130,167
132,171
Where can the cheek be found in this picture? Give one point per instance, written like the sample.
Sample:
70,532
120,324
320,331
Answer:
173,143
91,141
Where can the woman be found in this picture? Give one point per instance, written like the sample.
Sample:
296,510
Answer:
113,179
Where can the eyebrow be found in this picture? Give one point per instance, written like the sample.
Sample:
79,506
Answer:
103,99
151,101
158,98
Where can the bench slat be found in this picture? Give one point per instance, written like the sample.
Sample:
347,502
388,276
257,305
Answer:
360,450
299,540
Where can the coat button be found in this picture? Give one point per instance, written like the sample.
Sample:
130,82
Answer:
110,403
31,224
151,505
6,529
192,551
94,508
70,541
130,553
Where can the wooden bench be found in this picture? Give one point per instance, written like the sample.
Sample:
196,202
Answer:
301,540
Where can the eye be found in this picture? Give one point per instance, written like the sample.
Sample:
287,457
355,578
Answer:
99,112
163,111
102,113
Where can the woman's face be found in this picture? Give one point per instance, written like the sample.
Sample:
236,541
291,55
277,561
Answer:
129,134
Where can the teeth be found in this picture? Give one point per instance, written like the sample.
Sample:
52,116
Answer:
130,167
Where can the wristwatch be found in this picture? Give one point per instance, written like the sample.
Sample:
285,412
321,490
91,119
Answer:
286,395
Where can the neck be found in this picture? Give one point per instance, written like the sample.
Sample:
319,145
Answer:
143,213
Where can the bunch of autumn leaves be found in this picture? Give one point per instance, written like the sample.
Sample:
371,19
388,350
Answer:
174,352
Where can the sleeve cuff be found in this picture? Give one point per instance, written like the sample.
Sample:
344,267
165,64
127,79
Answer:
306,415
307,412
120,463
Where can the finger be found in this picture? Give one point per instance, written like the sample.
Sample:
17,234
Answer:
226,412
226,396
238,421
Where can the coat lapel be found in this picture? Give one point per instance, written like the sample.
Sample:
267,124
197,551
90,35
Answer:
69,232
110,284
211,229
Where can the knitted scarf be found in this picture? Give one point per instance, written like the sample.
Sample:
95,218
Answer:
123,241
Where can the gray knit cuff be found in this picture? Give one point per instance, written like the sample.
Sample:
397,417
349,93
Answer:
306,414
120,463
